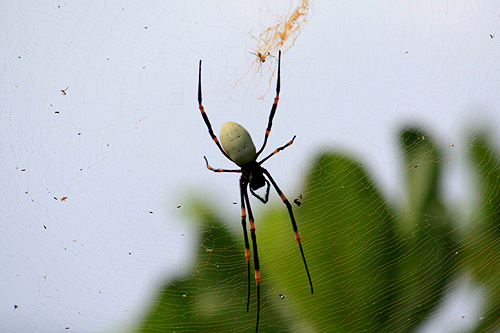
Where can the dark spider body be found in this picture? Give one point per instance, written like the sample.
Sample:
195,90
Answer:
253,174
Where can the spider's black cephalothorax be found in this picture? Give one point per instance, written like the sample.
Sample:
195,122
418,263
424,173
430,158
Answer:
252,173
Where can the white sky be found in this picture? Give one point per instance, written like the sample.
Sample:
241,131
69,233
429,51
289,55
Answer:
129,139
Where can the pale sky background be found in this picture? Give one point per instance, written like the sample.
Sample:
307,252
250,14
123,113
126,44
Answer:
127,139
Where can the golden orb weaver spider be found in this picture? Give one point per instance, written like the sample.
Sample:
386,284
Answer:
238,147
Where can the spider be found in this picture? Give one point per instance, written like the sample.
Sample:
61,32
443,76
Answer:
238,147
261,57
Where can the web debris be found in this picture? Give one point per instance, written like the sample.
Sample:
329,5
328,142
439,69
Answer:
273,38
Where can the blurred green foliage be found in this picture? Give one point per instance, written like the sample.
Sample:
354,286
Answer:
376,265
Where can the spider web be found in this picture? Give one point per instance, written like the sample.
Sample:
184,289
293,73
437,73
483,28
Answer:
111,221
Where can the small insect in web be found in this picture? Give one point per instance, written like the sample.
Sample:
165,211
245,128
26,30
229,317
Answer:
261,57
237,145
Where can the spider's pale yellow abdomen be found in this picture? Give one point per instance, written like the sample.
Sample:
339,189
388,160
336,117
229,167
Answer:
237,143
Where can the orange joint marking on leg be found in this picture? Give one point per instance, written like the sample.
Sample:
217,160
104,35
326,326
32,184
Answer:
276,99
267,132
252,225
282,196
257,276
247,254
215,139
243,212
276,151
201,108
297,237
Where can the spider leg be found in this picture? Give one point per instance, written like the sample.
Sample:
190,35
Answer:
245,233
254,247
273,109
294,224
277,151
205,117
219,170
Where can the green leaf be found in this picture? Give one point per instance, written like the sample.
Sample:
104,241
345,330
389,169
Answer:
421,170
483,234
347,233
429,251
213,297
